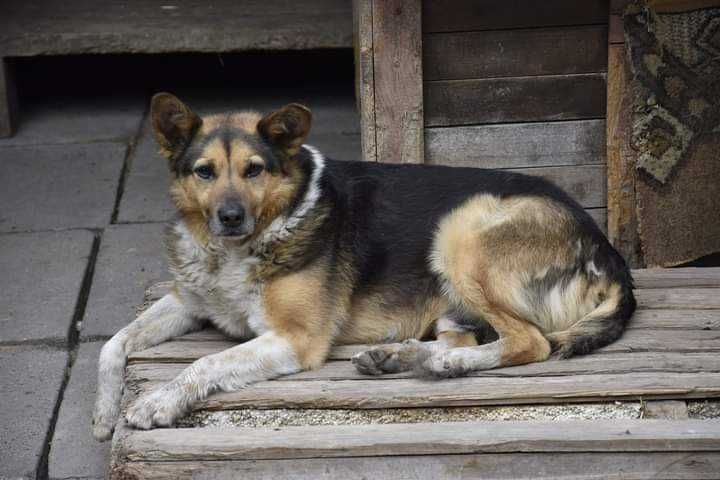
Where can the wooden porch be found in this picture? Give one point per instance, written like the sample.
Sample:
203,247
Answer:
393,426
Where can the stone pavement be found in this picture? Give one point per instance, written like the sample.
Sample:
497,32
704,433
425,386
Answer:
83,201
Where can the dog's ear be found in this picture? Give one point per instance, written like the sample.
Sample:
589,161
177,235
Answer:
286,128
173,123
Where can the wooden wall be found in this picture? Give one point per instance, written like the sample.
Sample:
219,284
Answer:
512,84
519,84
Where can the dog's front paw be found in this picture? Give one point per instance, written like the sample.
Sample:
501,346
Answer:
104,422
159,408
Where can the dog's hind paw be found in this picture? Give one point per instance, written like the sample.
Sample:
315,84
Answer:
391,358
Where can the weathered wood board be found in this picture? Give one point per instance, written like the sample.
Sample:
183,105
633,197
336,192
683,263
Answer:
669,352
514,99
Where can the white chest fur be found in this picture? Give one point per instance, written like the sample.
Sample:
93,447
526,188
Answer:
216,283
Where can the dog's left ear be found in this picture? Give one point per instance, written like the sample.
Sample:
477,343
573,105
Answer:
174,124
287,128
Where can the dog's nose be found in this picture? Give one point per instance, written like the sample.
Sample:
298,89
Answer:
231,216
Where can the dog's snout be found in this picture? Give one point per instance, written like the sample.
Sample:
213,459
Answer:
231,215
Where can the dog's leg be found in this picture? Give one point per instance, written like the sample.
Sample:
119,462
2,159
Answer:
401,357
165,319
267,356
520,342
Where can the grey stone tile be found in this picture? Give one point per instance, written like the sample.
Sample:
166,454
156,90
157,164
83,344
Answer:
73,120
58,187
30,379
335,132
131,258
41,279
145,197
74,453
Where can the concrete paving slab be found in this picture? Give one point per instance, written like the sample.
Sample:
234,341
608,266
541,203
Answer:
42,275
145,197
78,120
131,258
74,423
59,187
336,132
30,379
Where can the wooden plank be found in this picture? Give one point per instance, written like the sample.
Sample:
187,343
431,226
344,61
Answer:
365,76
585,183
682,298
506,466
617,7
622,217
464,391
677,277
8,98
649,330
420,439
515,53
516,99
676,319
616,364
517,145
136,26
600,217
465,15
397,46
616,32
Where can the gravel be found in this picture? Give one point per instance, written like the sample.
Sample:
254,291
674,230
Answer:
704,410
289,417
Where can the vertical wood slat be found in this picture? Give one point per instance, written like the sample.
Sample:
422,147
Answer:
397,47
364,76
8,98
622,218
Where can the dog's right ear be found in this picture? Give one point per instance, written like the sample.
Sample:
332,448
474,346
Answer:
173,123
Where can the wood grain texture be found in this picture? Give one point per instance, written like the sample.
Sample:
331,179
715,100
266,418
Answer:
616,33
515,53
585,183
397,46
466,15
665,409
622,216
677,277
517,99
680,298
421,439
636,339
600,217
508,466
517,145
464,391
137,26
616,364
8,98
365,76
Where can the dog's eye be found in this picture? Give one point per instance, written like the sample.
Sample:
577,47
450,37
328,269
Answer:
253,170
204,171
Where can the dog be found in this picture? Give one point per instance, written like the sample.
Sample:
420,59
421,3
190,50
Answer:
292,253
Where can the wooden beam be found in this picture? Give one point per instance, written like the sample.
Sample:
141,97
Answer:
507,466
365,77
397,46
421,439
514,99
8,99
622,216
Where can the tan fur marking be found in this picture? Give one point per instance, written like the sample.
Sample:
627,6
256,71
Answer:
298,310
457,339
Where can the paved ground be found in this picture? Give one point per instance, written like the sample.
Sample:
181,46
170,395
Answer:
82,205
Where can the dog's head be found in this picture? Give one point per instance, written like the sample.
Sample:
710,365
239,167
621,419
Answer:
233,173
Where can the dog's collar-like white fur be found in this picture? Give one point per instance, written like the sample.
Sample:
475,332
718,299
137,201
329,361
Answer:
282,226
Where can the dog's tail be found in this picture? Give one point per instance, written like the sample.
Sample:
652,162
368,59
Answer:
600,327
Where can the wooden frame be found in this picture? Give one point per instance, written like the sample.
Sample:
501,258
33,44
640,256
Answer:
389,55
